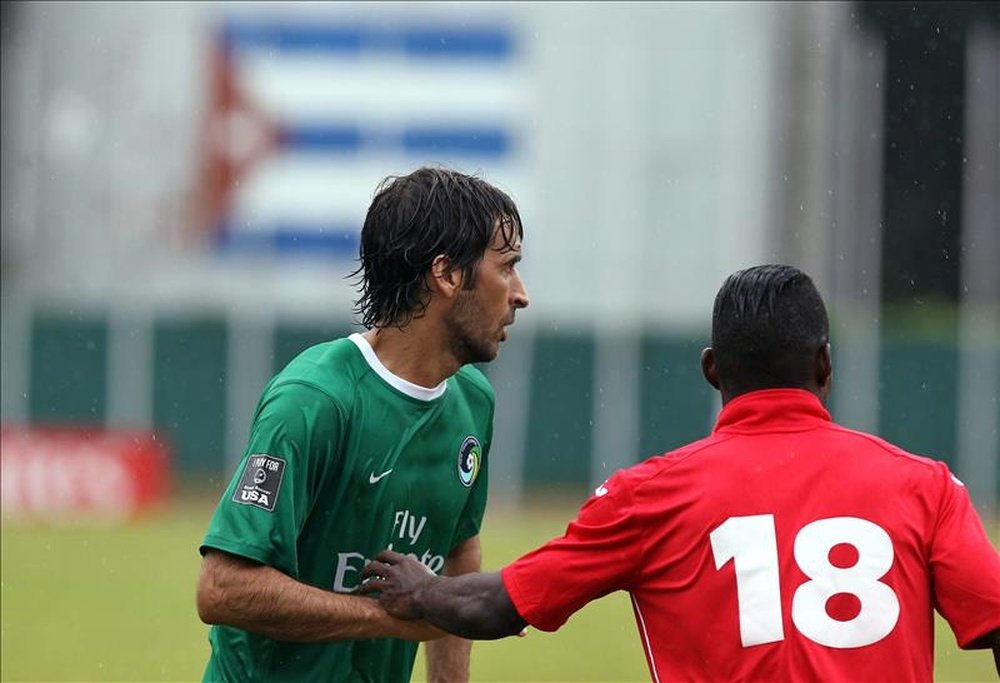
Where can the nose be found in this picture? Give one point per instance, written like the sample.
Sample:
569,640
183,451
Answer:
518,294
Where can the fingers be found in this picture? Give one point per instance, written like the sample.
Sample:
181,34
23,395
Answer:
373,578
393,572
375,569
379,568
390,557
372,585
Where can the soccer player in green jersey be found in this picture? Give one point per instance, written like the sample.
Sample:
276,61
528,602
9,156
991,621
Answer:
374,440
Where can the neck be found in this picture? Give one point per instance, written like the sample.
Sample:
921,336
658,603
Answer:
730,392
413,354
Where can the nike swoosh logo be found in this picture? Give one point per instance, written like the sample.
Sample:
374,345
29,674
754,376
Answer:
372,479
601,491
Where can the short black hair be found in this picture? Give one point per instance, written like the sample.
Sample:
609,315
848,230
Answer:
413,219
767,325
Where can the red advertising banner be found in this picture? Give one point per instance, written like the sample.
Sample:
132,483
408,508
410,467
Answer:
76,473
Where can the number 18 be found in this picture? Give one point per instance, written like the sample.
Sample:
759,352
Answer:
751,543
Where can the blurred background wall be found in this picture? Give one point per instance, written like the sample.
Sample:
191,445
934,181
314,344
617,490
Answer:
183,185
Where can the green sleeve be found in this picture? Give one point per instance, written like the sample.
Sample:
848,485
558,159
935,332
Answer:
294,441
472,515
471,520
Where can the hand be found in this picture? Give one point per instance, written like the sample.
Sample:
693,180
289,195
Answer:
398,579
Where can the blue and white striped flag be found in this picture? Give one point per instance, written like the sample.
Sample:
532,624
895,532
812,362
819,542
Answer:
307,117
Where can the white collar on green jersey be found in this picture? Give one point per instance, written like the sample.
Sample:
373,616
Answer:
407,387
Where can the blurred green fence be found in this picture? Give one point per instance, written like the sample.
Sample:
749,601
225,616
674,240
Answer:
917,390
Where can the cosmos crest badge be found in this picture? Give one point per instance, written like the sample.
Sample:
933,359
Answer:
470,459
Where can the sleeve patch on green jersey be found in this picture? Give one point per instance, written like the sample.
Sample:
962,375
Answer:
261,481
470,458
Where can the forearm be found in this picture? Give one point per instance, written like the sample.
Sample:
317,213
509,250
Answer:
448,658
474,606
257,598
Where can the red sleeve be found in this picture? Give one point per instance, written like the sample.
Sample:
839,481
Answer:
965,567
598,554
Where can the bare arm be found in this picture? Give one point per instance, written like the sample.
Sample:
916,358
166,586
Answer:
448,658
237,592
474,606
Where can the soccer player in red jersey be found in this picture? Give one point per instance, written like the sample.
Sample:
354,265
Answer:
781,547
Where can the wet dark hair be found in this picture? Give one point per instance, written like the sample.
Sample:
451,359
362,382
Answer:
767,325
413,219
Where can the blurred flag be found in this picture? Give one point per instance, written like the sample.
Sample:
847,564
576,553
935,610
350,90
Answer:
305,119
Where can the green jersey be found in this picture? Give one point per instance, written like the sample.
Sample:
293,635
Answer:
346,459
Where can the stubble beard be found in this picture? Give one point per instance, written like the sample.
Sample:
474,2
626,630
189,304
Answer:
469,340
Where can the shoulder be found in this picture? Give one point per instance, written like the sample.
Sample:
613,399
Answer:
878,450
666,478
470,380
325,372
324,361
637,477
655,466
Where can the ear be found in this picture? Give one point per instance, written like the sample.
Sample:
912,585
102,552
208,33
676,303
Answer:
824,370
708,367
444,279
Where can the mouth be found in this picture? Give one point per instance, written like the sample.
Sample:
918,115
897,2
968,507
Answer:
503,329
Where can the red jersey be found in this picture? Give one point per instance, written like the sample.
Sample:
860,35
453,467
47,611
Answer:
783,546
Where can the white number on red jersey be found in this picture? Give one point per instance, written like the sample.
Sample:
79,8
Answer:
751,543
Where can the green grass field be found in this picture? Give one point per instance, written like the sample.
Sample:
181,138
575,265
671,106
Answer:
117,604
